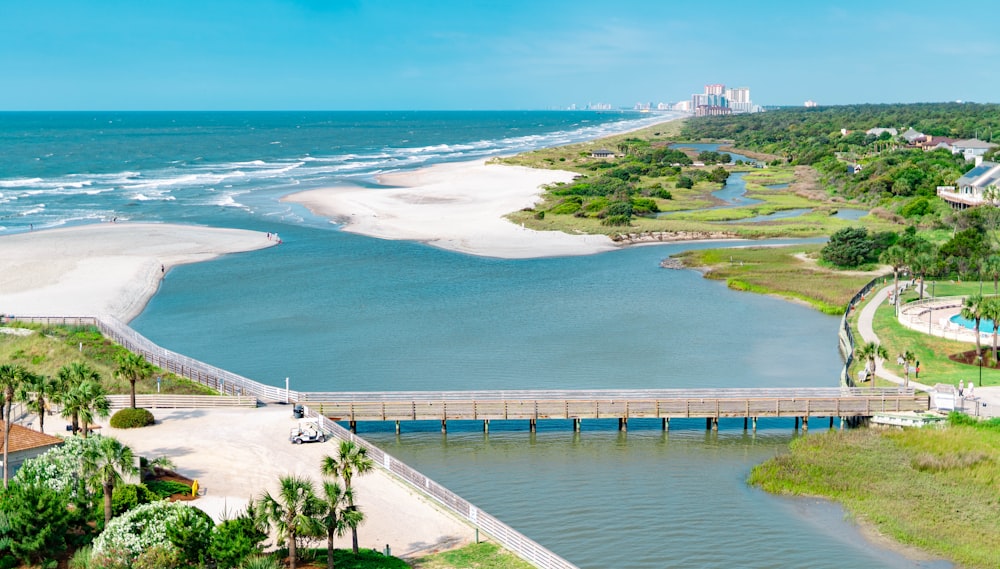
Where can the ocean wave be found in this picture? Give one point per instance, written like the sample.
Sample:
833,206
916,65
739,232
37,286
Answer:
139,197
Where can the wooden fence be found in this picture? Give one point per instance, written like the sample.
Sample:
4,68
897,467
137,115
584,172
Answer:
158,401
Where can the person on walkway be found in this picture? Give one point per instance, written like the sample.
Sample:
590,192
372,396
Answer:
961,388
970,391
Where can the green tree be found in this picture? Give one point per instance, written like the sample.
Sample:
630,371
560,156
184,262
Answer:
37,391
133,367
337,515
871,352
86,401
38,520
69,377
850,247
352,459
964,251
972,308
191,533
13,377
291,512
235,540
991,269
991,311
107,464
896,257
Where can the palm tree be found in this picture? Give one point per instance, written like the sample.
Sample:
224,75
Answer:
895,256
908,359
872,352
972,308
351,459
106,464
38,390
921,262
991,311
86,401
991,268
12,379
291,512
70,376
133,367
338,514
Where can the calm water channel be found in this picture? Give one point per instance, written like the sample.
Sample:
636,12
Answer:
334,311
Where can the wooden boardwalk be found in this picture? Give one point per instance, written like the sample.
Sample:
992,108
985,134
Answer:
664,404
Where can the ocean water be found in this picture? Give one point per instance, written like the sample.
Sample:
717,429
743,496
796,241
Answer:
336,311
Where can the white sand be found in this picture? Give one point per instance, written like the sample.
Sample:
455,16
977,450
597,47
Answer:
108,268
457,206
238,454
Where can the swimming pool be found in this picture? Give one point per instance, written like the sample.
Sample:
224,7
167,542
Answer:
985,325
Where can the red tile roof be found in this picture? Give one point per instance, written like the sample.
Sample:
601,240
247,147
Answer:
22,438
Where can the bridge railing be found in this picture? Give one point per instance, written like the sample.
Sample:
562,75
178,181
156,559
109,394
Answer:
847,336
604,394
511,539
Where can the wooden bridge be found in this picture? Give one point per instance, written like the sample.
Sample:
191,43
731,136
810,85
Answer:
663,404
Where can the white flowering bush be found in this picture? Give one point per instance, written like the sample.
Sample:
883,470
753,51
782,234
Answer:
139,529
59,468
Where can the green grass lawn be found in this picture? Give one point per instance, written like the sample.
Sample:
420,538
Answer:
475,556
931,351
937,489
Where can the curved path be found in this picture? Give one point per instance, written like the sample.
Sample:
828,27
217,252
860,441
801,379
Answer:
990,396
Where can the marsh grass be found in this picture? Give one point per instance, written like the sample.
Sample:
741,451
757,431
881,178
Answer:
934,488
52,347
777,271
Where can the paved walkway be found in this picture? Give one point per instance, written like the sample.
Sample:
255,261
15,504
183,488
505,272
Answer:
990,396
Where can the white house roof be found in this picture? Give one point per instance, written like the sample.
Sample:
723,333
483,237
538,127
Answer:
972,143
910,135
879,130
982,176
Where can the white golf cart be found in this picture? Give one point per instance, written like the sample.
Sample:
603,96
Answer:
307,431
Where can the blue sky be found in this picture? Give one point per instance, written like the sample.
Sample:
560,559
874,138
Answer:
469,54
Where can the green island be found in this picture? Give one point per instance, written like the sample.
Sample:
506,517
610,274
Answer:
934,489
72,507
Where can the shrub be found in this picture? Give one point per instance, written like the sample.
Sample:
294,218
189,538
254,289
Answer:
167,488
59,467
566,208
191,533
137,530
37,520
233,541
127,496
662,193
132,418
644,205
685,182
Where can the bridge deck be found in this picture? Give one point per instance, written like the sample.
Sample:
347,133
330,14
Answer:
661,404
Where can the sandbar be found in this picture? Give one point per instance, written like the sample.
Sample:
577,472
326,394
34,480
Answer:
457,206
104,269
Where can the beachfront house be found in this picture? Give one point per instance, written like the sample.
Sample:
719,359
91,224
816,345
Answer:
974,188
877,131
602,153
912,136
26,443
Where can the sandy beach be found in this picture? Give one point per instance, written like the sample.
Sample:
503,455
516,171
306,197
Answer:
456,206
107,268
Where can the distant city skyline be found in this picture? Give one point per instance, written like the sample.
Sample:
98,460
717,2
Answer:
448,54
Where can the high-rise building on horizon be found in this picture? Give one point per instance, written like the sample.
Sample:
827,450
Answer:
718,100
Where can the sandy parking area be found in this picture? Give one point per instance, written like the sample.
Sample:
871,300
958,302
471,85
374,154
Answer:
237,454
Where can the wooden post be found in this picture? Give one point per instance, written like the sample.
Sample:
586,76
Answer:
444,425
715,423
623,424
805,423
708,423
755,424
397,427
831,421
576,425
796,423
531,425
353,425
666,424
745,420
486,425
841,422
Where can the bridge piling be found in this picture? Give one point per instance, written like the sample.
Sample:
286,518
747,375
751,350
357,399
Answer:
666,424
397,427
532,425
486,426
623,424
576,425
444,426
